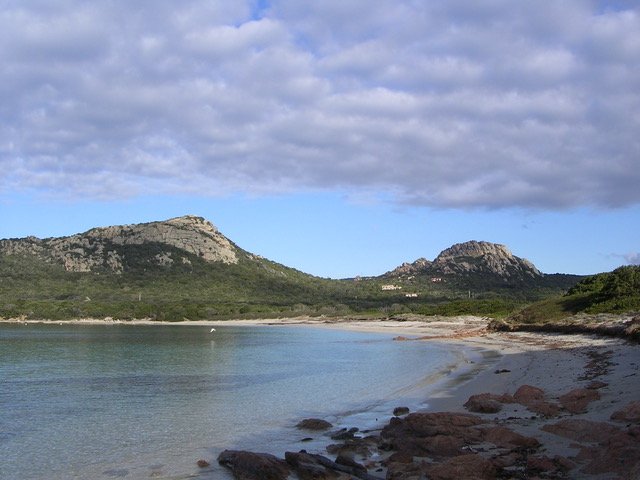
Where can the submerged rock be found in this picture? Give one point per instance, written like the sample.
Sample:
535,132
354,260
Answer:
399,411
313,424
344,434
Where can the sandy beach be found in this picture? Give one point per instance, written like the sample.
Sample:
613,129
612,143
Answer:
554,406
558,406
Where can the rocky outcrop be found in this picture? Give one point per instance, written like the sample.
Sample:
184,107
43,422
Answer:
487,402
577,400
483,258
98,248
420,265
263,466
313,424
254,466
604,448
454,445
629,413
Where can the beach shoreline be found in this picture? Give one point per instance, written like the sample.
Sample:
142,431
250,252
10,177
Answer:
586,422
605,369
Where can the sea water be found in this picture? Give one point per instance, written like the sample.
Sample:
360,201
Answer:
133,402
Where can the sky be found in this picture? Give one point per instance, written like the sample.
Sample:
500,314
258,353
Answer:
341,137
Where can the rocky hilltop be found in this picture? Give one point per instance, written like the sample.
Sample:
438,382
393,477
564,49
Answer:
101,248
185,268
472,258
173,241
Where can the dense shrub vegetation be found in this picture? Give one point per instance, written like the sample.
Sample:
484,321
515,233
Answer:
617,291
587,306
254,287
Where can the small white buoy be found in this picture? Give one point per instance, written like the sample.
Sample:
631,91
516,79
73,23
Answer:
212,330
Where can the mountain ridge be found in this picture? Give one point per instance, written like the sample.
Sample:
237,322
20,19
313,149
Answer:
184,268
96,249
472,257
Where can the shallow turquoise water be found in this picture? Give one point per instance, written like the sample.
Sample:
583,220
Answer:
121,401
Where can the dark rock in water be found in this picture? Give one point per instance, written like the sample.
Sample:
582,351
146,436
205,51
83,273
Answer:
203,463
399,411
307,466
354,446
344,434
314,424
503,370
316,467
307,439
348,461
254,466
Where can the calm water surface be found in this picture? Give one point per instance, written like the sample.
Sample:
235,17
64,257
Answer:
133,402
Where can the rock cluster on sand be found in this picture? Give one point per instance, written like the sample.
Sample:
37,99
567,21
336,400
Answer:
465,446
577,427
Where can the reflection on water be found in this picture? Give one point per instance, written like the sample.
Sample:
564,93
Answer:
118,401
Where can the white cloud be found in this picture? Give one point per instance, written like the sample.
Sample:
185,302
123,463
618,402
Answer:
492,104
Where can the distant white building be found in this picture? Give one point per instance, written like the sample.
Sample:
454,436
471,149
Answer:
411,295
391,287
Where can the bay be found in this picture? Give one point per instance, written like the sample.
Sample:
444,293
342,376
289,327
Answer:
138,401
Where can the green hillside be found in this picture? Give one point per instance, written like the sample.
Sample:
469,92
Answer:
607,303
194,290
251,288
184,268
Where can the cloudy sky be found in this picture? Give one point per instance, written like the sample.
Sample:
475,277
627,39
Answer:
340,137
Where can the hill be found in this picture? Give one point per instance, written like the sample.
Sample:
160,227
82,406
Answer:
607,303
480,270
184,268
